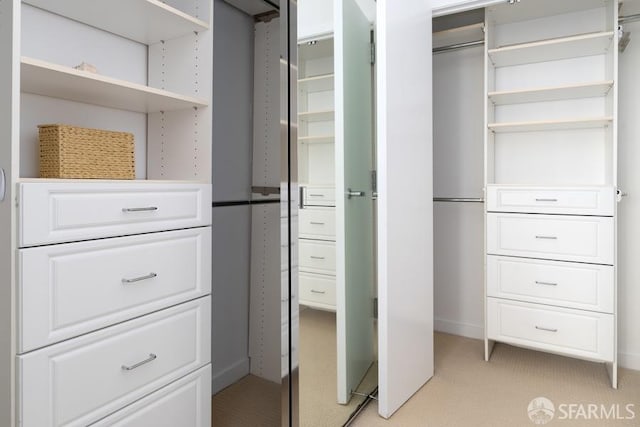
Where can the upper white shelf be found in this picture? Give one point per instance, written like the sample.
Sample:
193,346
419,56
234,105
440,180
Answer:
316,83
316,116
546,125
555,93
504,12
43,78
145,21
552,49
316,138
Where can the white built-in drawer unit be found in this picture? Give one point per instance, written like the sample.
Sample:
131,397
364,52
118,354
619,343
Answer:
317,290
598,201
67,290
579,333
57,212
568,284
317,256
184,402
319,196
80,381
317,223
566,238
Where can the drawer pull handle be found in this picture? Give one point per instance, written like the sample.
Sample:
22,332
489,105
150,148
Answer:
316,195
151,358
137,279
318,292
316,223
546,200
147,209
540,328
547,237
316,257
546,283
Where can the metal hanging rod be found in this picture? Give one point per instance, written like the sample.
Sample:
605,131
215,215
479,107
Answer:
629,18
458,46
459,199
621,20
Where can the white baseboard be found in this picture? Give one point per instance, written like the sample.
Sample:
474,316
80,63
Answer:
229,375
458,328
629,361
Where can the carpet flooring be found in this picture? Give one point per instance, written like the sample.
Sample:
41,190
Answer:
465,391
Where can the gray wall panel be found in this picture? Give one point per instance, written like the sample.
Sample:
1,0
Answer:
232,103
230,301
232,156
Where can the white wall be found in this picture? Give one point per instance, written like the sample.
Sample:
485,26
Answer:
315,17
458,130
444,7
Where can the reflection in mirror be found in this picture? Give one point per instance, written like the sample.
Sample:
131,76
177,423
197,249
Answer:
250,318
336,268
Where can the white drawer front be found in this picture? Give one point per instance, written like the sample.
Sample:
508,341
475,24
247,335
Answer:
317,290
582,239
82,380
65,212
570,200
67,290
319,196
317,256
186,402
575,285
318,223
572,332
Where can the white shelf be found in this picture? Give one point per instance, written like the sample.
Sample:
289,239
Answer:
109,181
252,8
555,93
547,125
316,83
552,49
316,139
43,78
145,21
316,116
523,11
468,33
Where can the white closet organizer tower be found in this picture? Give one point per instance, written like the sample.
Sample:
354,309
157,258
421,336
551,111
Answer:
316,172
105,297
551,177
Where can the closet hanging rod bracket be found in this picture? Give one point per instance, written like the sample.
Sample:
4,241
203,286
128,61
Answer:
265,191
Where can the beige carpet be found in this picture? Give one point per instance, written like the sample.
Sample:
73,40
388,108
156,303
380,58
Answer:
466,391
318,364
251,402
254,402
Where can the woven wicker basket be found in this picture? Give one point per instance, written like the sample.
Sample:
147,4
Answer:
75,152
